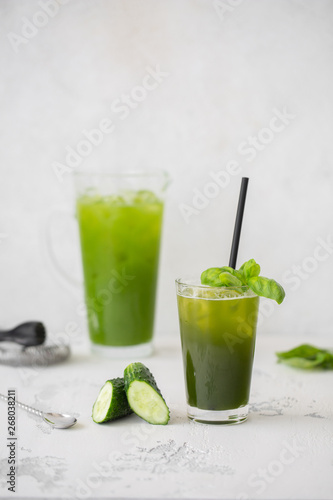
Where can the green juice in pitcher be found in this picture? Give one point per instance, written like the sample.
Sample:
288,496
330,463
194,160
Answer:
120,241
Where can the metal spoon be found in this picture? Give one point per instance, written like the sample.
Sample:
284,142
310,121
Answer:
56,420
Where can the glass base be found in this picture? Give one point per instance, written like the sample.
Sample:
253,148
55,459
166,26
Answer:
236,416
131,351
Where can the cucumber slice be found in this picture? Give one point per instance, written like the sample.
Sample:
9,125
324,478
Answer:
143,395
111,402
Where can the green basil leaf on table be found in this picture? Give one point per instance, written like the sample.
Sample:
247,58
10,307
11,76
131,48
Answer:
307,357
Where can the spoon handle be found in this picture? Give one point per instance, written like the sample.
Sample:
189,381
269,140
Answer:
24,407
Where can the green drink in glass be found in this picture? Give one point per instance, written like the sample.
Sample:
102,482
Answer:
218,321
120,230
218,331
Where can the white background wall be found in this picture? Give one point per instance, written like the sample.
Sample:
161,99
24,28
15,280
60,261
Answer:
228,69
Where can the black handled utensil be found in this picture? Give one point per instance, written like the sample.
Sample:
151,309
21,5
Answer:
27,334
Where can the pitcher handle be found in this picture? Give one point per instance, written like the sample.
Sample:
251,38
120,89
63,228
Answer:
66,278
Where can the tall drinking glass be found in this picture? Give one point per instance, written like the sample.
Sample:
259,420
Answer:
120,223
218,330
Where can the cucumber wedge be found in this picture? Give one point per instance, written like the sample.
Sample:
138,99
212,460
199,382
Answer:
143,395
111,402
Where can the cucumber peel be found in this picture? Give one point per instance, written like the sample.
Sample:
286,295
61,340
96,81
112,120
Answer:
143,395
111,402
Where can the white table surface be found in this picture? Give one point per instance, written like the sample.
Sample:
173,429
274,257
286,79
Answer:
283,451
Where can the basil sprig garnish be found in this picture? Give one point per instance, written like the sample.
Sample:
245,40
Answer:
246,275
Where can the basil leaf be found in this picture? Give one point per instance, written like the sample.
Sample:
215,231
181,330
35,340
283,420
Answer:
303,351
305,364
307,357
234,272
239,275
264,287
211,276
228,279
250,269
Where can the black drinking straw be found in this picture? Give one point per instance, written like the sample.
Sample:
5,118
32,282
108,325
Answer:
238,223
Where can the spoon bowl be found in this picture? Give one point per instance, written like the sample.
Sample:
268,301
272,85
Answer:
59,420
